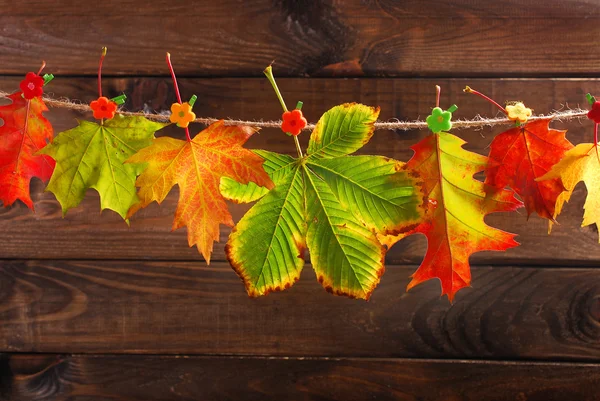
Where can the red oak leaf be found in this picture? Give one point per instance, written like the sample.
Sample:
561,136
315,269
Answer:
455,227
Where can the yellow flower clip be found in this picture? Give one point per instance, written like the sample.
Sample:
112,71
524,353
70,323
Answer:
182,114
518,112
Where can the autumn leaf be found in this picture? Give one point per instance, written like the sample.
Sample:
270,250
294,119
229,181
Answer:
579,164
197,166
91,156
24,132
521,155
524,153
328,202
238,193
455,227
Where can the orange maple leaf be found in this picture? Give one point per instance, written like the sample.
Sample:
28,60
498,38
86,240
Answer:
197,167
25,131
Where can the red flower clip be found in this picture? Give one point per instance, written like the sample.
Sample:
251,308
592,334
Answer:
594,113
293,122
103,108
32,86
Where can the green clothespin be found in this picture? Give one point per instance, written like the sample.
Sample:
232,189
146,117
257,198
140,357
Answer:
48,78
591,99
119,99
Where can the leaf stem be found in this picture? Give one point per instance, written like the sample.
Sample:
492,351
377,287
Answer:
187,130
474,92
269,74
100,71
596,141
438,92
299,149
42,67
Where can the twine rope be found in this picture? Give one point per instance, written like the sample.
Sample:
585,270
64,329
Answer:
477,122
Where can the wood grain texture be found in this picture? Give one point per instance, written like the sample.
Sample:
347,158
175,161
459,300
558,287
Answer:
317,38
186,308
85,234
87,303
148,378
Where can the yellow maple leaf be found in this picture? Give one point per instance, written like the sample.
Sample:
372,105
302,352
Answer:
579,164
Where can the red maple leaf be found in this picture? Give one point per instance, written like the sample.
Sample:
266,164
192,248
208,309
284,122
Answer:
25,131
521,155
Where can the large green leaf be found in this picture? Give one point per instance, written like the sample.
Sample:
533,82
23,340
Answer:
266,247
346,256
92,156
371,187
241,193
342,130
333,206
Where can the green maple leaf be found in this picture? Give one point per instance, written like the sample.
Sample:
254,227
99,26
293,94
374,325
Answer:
92,155
329,202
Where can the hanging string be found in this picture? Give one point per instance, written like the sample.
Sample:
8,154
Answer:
477,122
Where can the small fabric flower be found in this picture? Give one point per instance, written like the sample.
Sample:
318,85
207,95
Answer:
439,120
594,113
32,86
293,122
182,114
518,112
103,108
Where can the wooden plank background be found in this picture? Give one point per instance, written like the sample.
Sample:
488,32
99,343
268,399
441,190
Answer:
91,309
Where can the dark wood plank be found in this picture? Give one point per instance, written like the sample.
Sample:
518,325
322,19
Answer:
85,234
521,9
5,377
83,378
350,38
177,307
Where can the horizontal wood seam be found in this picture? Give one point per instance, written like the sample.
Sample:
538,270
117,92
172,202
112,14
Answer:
524,361
564,264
